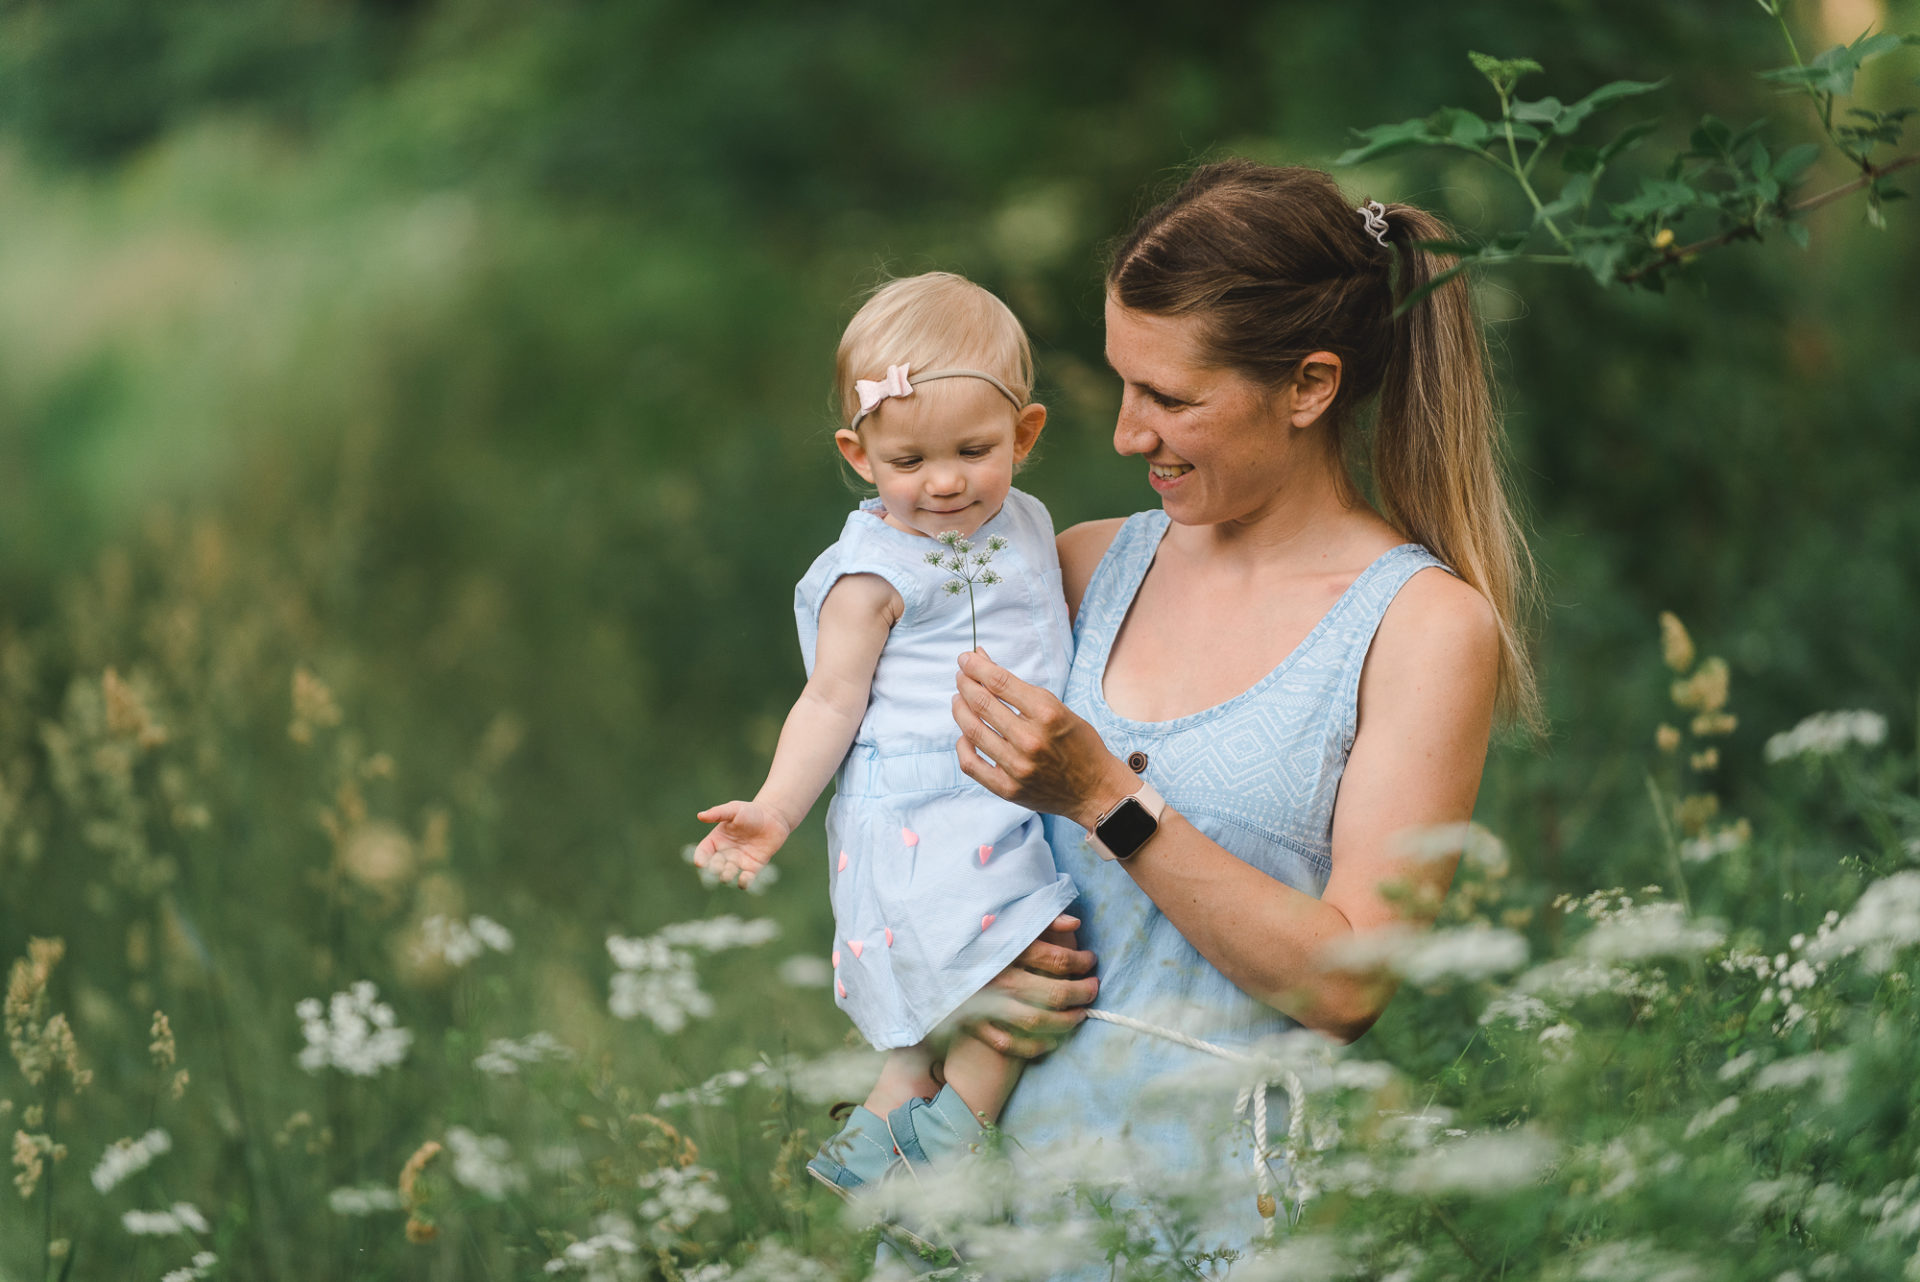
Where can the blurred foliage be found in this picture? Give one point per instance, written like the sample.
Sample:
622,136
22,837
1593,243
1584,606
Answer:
473,357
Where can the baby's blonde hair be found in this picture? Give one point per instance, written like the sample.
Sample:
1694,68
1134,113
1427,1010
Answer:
932,321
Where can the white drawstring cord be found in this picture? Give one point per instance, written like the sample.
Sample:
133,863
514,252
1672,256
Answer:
1251,1102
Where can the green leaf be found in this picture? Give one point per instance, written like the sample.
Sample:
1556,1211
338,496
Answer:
1459,125
1546,110
1503,72
1601,256
1657,198
1794,161
1572,196
1384,140
1833,71
1711,137
1576,113
1523,132
1797,233
1627,140
1580,160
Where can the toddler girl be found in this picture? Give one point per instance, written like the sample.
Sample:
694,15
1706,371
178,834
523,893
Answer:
937,884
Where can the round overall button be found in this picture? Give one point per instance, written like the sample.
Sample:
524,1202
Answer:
1137,762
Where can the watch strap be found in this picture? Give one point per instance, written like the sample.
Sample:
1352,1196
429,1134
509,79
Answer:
1149,800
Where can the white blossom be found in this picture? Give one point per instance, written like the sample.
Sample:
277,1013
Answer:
129,1157
679,1196
1825,733
1885,919
203,1262
181,1217
1636,1261
1432,956
484,1163
668,996
610,1255
804,970
504,1056
456,942
716,1088
1660,929
367,1199
656,975
714,934
356,1035
1827,1069
1480,1165
1707,1118
1524,1009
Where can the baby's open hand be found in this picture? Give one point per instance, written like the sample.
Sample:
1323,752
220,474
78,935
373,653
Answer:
744,840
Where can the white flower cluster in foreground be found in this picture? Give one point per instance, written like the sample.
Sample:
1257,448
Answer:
181,1217
367,1199
129,1157
458,942
202,1266
1430,957
656,975
1825,733
680,1195
504,1056
484,1163
1658,929
716,1088
610,1255
1884,920
805,970
354,1033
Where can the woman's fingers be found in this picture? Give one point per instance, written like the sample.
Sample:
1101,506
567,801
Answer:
984,772
1059,962
999,682
1041,992
984,736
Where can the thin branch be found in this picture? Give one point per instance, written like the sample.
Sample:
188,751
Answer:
1747,231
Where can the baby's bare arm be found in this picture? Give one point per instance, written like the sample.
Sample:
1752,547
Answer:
855,619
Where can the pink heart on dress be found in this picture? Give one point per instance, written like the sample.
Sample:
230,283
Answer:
836,959
857,946
842,987
986,921
842,865
986,853
909,836
889,936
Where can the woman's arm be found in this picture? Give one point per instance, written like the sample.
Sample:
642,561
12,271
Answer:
1081,547
1426,700
858,613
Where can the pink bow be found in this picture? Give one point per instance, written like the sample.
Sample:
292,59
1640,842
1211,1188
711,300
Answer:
871,393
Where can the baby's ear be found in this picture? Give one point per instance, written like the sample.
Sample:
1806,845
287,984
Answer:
854,451
1027,428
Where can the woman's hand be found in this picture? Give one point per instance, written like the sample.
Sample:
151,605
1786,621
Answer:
1030,1007
745,841
1043,756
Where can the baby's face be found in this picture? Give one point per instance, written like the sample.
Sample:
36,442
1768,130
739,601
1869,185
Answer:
943,458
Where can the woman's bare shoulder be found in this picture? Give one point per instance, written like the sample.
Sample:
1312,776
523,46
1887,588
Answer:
1436,624
1081,547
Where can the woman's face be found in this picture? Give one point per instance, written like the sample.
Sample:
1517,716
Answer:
1218,446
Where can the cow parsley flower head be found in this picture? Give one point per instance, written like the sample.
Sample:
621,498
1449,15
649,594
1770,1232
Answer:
1825,733
656,976
504,1056
181,1217
355,1033
202,1266
456,942
129,1157
484,1163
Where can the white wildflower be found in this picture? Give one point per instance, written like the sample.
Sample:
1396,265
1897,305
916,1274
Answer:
716,1088
484,1163
1707,1118
129,1157
610,1255
1471,842
1524,1009
1826,1069
1636,1261
203,1262
1649,930
1738,1065
1825,733
667,996
1884,920
1480,1165
1432,956
772,1262
804,970
714,934
367,1199
181,1217
504,1056
680,1195
1556,1040
1722,841
357,1034
457,943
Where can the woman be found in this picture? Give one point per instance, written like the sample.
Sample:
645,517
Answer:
1302,675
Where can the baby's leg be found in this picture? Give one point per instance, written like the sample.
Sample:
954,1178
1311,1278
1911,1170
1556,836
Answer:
907,1075
981,1075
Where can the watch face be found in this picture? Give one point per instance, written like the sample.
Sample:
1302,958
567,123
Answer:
1127,828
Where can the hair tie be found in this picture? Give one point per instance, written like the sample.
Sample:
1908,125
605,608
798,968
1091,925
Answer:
873,391
1374,214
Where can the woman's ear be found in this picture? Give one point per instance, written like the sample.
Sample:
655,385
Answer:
1313,386
1026,430
854,451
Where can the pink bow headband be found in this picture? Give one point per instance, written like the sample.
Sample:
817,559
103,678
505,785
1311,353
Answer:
873,391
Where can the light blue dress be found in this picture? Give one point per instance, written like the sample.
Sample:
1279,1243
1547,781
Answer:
937,884
1258,774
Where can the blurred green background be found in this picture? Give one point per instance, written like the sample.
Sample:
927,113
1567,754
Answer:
475,354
